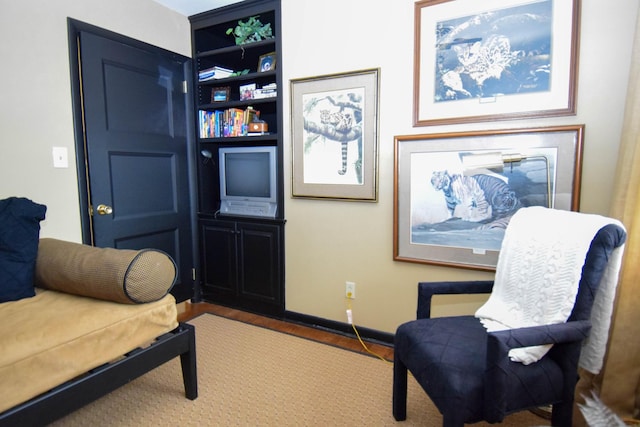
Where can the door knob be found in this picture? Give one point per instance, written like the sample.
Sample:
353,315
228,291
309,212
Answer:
104,210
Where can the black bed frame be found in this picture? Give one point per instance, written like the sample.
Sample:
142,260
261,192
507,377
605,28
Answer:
74,394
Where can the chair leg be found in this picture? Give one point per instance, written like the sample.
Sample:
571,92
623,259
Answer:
453,419
399,390
562,414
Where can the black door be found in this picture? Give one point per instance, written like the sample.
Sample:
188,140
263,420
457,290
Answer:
134,105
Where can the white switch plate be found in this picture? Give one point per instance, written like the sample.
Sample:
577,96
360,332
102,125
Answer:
60,157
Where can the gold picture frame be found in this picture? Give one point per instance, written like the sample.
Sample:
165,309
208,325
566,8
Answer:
334,130
267,62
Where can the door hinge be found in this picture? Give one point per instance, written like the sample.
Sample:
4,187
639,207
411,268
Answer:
185,87
193,274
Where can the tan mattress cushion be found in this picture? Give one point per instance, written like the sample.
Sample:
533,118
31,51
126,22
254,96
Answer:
121,275
54,337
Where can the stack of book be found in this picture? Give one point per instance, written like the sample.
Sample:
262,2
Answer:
214,73
267,91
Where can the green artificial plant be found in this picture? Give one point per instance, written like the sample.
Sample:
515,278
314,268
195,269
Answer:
250,31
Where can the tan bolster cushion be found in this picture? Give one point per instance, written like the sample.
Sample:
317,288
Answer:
120,275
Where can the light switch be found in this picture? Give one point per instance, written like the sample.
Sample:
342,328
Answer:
60,157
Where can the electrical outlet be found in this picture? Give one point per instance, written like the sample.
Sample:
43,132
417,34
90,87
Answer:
350,290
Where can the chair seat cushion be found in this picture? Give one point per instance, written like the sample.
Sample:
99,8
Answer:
449,355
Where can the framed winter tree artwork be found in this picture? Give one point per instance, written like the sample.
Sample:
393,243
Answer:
494,60
334,132
454,193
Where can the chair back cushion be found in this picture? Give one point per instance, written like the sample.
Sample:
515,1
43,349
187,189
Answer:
539,271
605,241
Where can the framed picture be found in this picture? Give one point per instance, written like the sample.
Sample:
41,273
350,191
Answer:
220,94
334,125
247,91
494,60
454,193
267,62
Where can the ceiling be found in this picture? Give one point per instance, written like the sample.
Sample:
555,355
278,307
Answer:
191,7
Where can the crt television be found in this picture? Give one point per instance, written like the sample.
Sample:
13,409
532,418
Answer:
248,181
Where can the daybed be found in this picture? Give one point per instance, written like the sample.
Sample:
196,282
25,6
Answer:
89,321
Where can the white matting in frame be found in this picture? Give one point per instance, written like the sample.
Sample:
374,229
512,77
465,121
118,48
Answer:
334,131
494,60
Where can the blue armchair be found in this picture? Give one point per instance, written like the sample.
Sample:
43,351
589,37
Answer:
466,370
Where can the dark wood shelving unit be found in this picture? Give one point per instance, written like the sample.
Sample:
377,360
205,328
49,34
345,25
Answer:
241,258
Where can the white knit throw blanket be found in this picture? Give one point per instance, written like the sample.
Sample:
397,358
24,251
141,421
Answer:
537,278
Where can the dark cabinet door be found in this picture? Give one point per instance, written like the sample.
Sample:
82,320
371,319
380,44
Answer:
258,262
242,264
219,258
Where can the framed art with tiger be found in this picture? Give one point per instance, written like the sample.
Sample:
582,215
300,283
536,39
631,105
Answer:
454,193
334,133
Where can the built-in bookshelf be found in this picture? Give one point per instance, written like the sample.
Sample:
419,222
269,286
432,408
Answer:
237,89
233,77
238,102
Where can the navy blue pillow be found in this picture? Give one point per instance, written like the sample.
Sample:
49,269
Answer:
19,236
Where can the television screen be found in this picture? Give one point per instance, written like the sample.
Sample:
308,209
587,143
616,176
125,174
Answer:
247,174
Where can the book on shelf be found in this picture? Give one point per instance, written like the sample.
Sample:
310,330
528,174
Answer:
212,73
266,91
232,124
259,94
226,123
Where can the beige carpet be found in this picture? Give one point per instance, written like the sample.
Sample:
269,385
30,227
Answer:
251,376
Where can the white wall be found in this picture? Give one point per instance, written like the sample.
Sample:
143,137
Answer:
35,105
329,242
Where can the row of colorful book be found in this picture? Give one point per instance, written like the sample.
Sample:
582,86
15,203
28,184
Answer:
226,123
